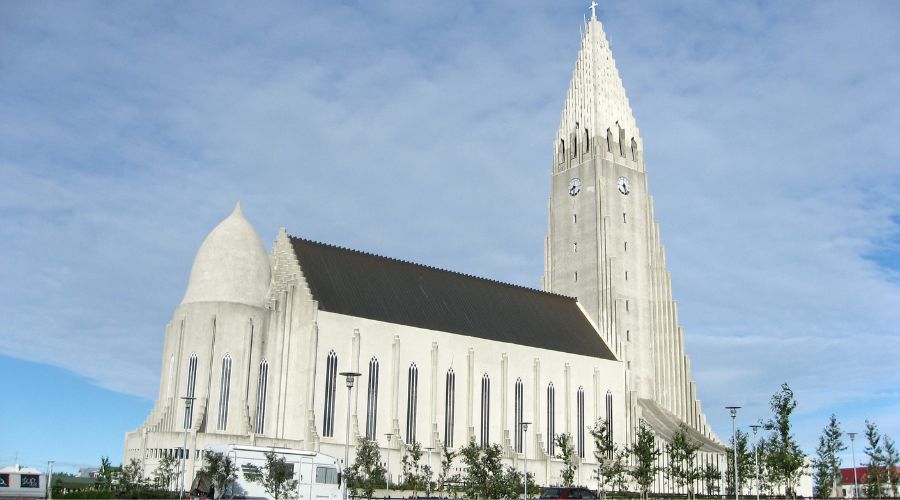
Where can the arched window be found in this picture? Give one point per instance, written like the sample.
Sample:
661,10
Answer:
330,387
633,149
372,400
485,410
579,403
551,420
261,397
449,407
621,142
587,141
412,395
562,150
189,390
519,413
609,140
609,416
224,392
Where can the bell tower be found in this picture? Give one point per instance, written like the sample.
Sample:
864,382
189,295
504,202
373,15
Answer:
602,245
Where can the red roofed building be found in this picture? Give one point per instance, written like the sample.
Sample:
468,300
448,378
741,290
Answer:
846,486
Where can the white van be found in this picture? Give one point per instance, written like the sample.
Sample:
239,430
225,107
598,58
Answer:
316,474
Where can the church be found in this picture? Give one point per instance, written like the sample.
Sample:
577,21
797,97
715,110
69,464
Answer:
254,351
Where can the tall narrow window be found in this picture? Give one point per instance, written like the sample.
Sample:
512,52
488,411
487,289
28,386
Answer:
449,407
562,150
609,140
633,149
519,414
551,420
609,417
224,392
485,410
412,395
189,390
587,141
330,387
372,400
261,397
579,402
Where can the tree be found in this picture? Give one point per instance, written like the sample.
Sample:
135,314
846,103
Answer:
711,476
875,470
827,464
891,460
785,458
276,477
367,472
485,476
611,460
131,479
566,447
645,452
105,475
682,453
221,470
413,478
445,478
165,471
746,461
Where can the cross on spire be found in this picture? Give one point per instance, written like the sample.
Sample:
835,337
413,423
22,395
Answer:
593,10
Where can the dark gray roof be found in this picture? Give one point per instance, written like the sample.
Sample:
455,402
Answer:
369,286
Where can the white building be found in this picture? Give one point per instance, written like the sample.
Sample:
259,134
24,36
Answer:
259,338
22,482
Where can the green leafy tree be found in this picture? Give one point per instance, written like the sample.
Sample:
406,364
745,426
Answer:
785,459
485,476
827,464
131,479
367,472
566,446
891,460
644,451
276,477
105,475
165,472
682,468
711,476
445,478
875,469
221,470
746,462
413,477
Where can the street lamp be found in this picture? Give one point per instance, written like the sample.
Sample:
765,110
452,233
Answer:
525,453
733,410
853,451
188,405
756,456
387,463
350,376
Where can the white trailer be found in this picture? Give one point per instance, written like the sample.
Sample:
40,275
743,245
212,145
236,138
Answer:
316,474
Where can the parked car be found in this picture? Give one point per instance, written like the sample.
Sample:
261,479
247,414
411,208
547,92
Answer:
568,493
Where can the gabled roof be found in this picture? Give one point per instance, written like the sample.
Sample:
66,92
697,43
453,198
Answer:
368,286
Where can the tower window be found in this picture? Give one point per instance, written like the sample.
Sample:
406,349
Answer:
626,246
576,275
575,247
587,141
624,218
574,218
628,335
626,275
626,304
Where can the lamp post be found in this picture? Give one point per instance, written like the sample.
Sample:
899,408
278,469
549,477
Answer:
188,412
525,454
733,410
350,377
387,463
49,479
853,451
755,428
428,479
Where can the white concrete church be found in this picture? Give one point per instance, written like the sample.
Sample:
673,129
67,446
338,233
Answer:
259,338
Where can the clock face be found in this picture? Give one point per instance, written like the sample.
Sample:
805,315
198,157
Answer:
624,187
574,186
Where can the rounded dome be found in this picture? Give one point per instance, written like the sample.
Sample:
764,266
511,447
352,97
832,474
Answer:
231,265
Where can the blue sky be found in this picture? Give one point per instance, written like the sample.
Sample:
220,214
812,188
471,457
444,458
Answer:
423,131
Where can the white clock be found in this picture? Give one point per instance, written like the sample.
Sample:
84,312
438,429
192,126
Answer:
574,186
624,188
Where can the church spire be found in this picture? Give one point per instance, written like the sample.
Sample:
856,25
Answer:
596,99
